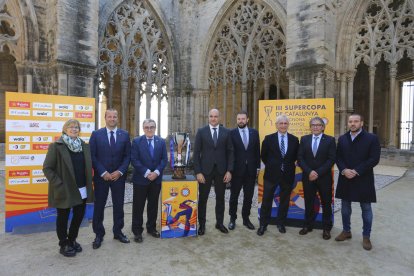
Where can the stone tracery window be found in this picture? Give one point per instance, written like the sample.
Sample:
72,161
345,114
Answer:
133,55
249,52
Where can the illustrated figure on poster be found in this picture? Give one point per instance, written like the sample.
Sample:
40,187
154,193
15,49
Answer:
187,212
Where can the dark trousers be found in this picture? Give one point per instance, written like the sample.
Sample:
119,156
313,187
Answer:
62,223
101,195
204,191
268,196
246,182
324,188
143,193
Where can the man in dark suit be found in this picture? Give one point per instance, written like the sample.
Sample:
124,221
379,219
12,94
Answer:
316,157
110,152
149,158
279,152
246,145
357,154
213,161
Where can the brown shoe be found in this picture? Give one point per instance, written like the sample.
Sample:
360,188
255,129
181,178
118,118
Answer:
326,234
305,230
343,236
366,243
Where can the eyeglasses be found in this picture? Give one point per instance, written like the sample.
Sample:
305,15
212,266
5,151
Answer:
316,125
73,127
149,127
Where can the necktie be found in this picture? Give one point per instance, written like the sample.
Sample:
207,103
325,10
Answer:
215,136
150,147
112,139
244,139
282,146
315,146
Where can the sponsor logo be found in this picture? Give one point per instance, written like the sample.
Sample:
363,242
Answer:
42,113
185,192
15,125
34,125
64,106
42,139
40,146
84,107
19,146
61,114
19,181
19,104
19,112
42,105
37,172
39,180
25,160
173,191
19,138
19,173
83,115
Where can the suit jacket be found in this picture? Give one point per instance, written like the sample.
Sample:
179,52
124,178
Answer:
362,155
104,158
249,156
142,161
206,155
272,158
58,168
321,163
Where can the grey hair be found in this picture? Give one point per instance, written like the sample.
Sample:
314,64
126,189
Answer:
146,121
316,119
282,117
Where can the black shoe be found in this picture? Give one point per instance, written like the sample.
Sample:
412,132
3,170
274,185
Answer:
154,233
305,230
232,224
67,251
248,224
326,235
76,246
281,228
202,229
222,228
138,238
97,242
122,238
261,230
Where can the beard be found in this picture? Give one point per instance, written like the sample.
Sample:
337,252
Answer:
241,125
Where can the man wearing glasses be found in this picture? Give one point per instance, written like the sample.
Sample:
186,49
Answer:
316,157
110,152
149,158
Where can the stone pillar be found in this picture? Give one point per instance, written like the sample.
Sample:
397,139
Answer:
137,104
224,113
342,104
266,88
371,98
392,128
124,103
111,92
216,94
159,94
255,104
29,83
200,108
148,100
292,86
319,85
233,99
350,79
244,94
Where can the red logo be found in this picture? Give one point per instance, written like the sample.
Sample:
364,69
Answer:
19,104
19,173
83,115
40,146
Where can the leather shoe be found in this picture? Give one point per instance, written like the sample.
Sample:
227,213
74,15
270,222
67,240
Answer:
138,238
76,246
344,236
248,224
232,224
222,228
201,230
281,228
326,235
67,251
122,238
154,233
261,230
366,243
97,242
305,230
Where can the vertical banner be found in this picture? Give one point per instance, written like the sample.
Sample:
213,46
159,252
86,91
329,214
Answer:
33,121
179,208
299,111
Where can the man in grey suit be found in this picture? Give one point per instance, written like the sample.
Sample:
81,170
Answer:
213,161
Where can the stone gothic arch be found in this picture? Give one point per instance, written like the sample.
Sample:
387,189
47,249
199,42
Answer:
135,63
375,49
246,56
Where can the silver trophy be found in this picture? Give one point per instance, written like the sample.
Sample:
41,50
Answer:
180,140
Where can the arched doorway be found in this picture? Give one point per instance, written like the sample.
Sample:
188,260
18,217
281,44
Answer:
135,66
247,58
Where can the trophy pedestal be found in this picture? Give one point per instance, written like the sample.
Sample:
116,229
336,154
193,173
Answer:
179,172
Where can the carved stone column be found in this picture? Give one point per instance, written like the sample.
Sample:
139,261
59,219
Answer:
244,95
137,105
342,104
371,98
392,129
124,103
